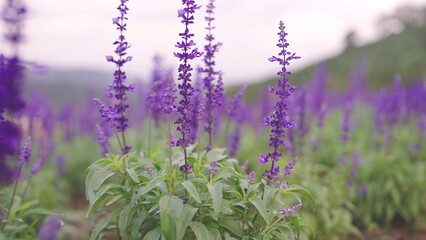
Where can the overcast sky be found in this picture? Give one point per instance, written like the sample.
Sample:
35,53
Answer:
79,33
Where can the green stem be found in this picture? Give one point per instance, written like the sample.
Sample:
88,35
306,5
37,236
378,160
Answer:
12,199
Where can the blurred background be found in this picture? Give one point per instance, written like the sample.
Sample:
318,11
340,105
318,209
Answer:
360,107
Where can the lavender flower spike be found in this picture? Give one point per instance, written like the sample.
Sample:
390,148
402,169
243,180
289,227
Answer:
278,120
117,90
188,53
213,92
25,153
291,210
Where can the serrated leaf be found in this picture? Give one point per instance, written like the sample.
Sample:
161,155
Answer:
200,231
189,186
217,197
133,175
259,204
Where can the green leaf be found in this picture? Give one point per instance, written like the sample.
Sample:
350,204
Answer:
184,219
200,230
97,198
217,197
304,192
191,160
95,179
133,175
170,210
147,188
153,234
189,186
232,225
136,225
215,155
123,221
99,227
261,208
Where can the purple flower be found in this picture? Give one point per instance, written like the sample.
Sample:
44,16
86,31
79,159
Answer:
155,96
289,167
50,228
169,96
213,92
25,153
291,210
234,142
251,177
10,137
213,167
235,103
346,124
245,166
186,168
117,90
103,139
278,119
188,52
149,170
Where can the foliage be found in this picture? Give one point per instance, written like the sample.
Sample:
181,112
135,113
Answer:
126,199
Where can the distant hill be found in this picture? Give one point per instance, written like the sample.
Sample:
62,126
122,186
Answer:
62,86
402,53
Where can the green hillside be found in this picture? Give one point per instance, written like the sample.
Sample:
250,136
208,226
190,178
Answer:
402,53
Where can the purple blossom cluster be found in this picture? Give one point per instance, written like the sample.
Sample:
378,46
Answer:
291,210
212,82
188,52
117,91
278,120
13,15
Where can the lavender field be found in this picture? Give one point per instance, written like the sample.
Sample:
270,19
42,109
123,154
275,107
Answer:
332,150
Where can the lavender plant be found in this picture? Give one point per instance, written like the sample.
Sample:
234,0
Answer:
117,91
213,91
279,118
141,197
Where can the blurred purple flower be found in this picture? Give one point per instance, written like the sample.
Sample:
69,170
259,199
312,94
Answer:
251,177
25,152
291,210
61,162
289,167
50,228
213,167
234,105
213,92
154,99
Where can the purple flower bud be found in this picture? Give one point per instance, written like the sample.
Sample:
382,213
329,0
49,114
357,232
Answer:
251,177
213,167
149,170
186,168
289,167
25,153
291,210
50,228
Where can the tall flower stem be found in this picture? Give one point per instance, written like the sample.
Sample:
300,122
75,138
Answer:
185,88
12,199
